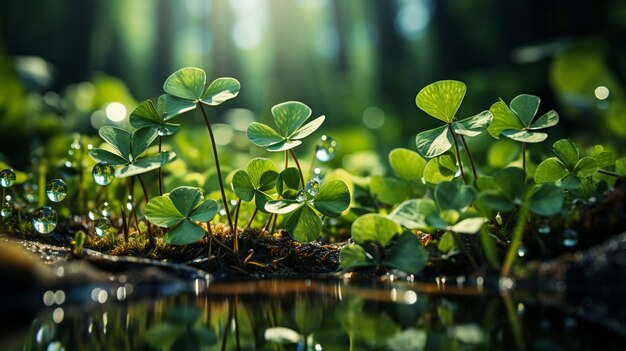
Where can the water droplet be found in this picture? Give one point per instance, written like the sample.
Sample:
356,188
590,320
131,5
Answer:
544,228
522,251
6,210
103,226
162,131
103,173
326,149
56,190
44,219
55,346
301,196
7,178
312,187
222,212
93,214
570,238
105,210
129,203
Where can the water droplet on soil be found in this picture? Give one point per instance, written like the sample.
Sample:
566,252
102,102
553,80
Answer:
326,149
522,251
7,178
570,238
102,226
103,173
56,190
44,219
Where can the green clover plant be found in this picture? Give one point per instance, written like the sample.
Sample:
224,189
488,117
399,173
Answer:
185,90
516,121
442,100
372,233
257,182
567,169
180,210
408,168
303,222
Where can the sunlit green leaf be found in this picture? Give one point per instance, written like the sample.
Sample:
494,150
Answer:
289,116
141,139
333,198
353,256
220,90
525,107
434,142
468,225
503,119
441,99
546,199
283,206
161,211
118,138
304,224
186,83
375,228
242,185
308,128
407,254
284,145
407,164
549,119
108,157
172,106
185,199
525,136
204,212
146,164
186,232
439,169
446,242
454,195
389,190
263,135
413,213
262,172
569,182
620,166
567,152
474,125
289,178
550,170
586,167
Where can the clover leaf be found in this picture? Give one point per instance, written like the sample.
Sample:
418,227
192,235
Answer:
257,182
567,168
408,167
146,115
129,148
186,87
289,118
180,210
516,120
442,100
303,222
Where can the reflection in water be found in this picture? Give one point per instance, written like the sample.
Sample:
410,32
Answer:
308,315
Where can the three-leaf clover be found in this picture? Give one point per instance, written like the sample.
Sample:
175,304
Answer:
408,167
147,116
567,167
128,149
449,211
442,100
185,88
257,182
303,222
289,118
180,210
516,120
372,233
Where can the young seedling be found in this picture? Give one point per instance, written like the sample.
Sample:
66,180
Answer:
185,92
442,100
567,168
146,116
408,168
289,118
303,222
180,210
129,148
371,234
516,122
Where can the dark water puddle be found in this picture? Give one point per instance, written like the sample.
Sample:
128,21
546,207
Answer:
305,315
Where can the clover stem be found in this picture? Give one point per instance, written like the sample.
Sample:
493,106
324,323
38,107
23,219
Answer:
524,160
145,197
293,154
124,224
43,170
469,155
274,224
609,173
286,159
267,224
81,183
458,155
235,234
160,169
251,219
217,164
516,240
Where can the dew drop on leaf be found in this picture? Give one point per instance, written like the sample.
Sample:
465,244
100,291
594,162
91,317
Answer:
7,178
312,187
301,196
102,226
105,210
94,214
103,173
6,210
56,190
44,219
326,149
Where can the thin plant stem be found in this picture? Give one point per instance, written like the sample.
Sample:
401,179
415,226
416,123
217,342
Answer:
43,170
524,161
251,218
469,156
293,154
267,224
458,155
212,237
286,159
609,173
234,233
4,192
81,181
516,240
217,164
124,224
274,224
145,195
514,321
160,169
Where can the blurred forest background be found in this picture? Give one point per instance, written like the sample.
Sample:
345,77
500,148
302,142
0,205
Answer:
73,66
